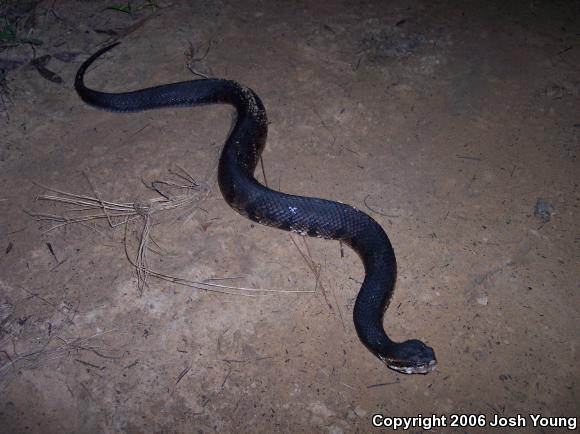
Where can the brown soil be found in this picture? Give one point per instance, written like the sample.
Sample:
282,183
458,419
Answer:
448,122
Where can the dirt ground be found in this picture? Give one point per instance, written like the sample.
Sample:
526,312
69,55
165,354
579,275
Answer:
454,124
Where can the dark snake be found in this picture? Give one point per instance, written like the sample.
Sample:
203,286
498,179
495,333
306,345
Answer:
303,215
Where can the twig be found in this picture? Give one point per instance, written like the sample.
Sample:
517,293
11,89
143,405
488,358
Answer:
182,374
372,386
263,171
100,368
375,211
191,59
467,157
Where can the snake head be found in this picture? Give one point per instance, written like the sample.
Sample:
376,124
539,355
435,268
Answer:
410,357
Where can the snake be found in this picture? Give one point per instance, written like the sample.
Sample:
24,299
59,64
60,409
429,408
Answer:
306,216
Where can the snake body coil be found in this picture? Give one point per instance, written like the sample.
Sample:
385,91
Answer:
304,215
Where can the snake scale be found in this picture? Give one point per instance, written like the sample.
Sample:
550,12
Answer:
304,215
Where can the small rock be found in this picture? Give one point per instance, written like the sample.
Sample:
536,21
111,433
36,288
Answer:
482,300
543,210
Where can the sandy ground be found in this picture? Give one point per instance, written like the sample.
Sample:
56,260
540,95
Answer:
454,124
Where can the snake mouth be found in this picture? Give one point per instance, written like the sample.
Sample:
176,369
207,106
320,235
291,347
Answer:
405,368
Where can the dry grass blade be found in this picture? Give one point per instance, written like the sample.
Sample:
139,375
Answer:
192,60
83,209
314,267
45,353
214,287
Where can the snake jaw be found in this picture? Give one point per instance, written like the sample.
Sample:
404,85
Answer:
401,367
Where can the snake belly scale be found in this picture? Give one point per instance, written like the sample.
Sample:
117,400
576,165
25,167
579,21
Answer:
304,215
